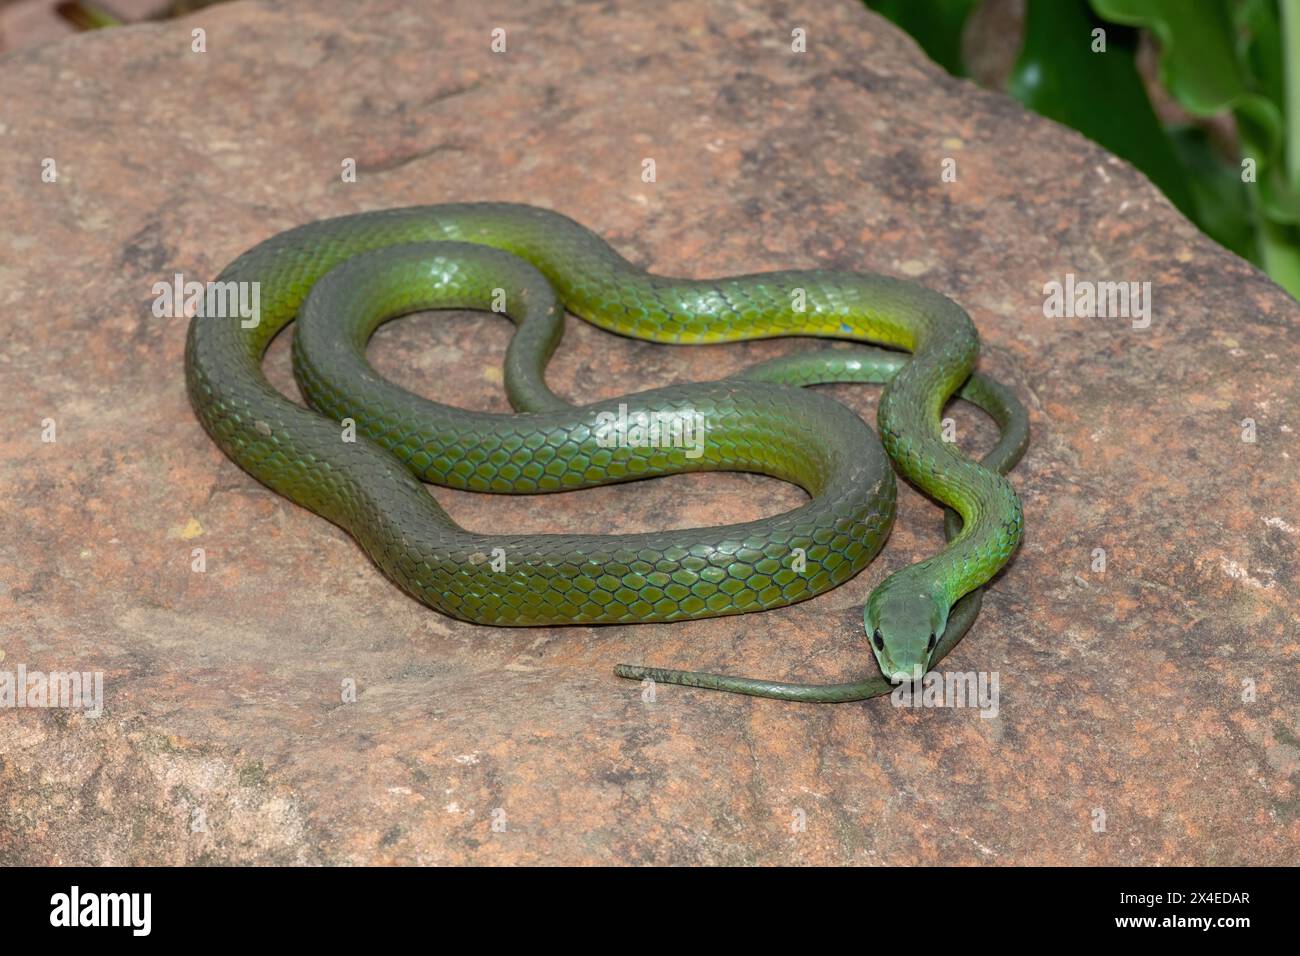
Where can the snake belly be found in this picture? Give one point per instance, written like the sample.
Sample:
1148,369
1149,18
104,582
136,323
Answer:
373,487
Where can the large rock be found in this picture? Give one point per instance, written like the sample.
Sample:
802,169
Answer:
1147,712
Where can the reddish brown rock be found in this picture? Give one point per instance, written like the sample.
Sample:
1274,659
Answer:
1158,695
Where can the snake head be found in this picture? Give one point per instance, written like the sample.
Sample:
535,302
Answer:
904,624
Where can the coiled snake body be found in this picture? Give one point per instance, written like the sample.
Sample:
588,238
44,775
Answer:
343,277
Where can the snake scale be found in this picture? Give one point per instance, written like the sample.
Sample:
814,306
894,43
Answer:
343,277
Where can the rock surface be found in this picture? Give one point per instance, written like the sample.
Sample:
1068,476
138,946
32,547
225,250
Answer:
1147,711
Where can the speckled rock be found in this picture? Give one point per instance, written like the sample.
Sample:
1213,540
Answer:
287,703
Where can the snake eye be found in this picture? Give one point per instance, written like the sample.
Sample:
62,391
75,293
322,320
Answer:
930,646
879,639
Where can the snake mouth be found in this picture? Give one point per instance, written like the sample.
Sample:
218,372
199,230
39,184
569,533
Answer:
887,666
898,672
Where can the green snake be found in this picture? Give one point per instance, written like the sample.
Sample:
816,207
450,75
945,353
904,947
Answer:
343,277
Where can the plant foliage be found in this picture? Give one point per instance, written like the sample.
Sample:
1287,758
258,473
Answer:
1240,58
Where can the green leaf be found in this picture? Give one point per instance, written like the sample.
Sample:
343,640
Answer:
1259,47
1280,254
1220,194
1198,62
1202,68
1099,94
935,24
